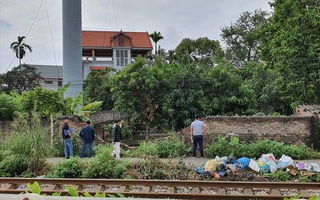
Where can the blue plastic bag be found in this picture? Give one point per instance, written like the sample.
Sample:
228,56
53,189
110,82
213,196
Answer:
242,163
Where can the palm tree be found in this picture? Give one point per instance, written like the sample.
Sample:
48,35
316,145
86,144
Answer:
19,47
156,36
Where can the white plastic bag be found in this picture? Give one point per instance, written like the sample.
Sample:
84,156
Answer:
286,159
254,165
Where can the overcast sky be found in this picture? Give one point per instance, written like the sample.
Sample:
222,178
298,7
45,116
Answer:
175,19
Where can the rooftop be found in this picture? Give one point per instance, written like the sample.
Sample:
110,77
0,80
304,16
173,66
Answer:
104,39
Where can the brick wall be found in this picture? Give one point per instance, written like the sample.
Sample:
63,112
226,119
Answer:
104,116
290,130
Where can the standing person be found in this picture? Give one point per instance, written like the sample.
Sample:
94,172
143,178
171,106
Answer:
87,135
116,137
198,129
67,137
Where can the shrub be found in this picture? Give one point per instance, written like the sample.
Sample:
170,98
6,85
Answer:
172,146
25,149
104,165
8,106
69,168
153,168
280,176
224,146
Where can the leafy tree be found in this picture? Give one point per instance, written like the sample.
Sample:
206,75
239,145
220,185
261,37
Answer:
156,36
136,92
243,38
292,46
97,88
202,51
226,92
19,47
8,105
43,101
22,80
171,56
263,81
183,97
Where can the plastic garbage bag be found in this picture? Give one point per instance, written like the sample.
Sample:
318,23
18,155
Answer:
242,163
211,165
267,157
286,159
264,166
302,166
254,165
231,159
222,159
273,167
314,167
222,169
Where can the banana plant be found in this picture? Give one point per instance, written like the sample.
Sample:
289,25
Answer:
75,107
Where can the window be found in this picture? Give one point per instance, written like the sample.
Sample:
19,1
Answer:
59,82
121,57
48,82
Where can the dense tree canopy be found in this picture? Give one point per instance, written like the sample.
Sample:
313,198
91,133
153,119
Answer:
137,92
22,78
243,38
97,88
202,51
292,46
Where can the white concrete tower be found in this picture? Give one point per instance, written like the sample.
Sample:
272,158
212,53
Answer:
72,46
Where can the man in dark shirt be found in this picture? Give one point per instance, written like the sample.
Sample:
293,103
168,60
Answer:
116,137
67,137
87,135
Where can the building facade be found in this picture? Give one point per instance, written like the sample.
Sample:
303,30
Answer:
100,50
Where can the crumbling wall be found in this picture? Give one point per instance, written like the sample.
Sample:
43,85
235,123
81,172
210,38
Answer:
290,130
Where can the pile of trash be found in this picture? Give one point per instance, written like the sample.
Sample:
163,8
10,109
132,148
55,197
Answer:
267,163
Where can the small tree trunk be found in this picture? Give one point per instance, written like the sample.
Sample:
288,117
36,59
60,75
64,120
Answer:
147,131
51,127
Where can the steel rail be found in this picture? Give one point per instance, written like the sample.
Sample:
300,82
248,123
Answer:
11,186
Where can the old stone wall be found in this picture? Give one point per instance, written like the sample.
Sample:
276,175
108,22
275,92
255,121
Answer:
104,116
290,130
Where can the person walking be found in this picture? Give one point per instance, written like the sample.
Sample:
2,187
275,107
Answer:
198,129
116,137
87,135
67,137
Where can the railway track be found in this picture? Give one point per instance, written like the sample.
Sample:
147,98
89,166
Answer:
175,189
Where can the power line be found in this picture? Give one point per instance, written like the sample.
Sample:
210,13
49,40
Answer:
34,19
54,52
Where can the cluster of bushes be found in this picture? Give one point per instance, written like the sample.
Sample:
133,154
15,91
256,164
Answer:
103,165
224,146
25,151
170,147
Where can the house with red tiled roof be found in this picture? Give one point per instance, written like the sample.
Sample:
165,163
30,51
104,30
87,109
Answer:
115,49
101,49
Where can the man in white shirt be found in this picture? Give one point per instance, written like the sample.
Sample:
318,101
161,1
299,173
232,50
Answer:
198,129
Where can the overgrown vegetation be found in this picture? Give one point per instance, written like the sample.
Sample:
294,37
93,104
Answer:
223,146
104,165
170,147
24,152
152,168
70,168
